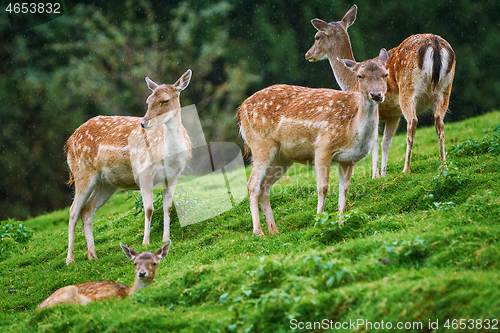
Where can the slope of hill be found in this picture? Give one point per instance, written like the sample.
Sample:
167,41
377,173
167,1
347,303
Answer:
418,251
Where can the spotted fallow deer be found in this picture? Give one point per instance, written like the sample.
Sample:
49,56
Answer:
107,153
284,124
421,72
146,264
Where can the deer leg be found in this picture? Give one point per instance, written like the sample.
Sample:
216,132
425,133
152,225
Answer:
322,163
273,174
147,199
83,189
440,107
375,171
408,105
345,174
99,197
146,185
168,194
389,131
259,170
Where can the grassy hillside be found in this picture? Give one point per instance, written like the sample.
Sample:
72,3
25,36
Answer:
416,249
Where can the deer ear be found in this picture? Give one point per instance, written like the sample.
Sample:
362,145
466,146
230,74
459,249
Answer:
183,81
383,56
131,254
320,25
163,251
349,17
151,84
348,63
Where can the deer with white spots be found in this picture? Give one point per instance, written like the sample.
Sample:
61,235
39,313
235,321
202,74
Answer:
421,72
146,264
284,124
107,153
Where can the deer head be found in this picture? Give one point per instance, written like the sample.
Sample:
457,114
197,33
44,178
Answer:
145,264
372,76
164,102
331,34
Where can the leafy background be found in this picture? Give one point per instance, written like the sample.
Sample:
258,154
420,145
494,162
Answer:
93,60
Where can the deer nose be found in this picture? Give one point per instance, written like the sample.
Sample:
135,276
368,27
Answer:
376,96
144,123
142,274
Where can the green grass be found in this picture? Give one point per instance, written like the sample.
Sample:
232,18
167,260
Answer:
415,249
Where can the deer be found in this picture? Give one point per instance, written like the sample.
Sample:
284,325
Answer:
133,153
146,264
283,124
421,72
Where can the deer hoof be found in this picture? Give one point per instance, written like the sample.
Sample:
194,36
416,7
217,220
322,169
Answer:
259,233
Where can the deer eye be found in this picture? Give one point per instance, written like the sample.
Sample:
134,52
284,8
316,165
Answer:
165,101
316,38
360,77
386,75
154,264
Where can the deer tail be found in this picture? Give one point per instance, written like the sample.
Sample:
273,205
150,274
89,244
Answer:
442,55
242,133
71,179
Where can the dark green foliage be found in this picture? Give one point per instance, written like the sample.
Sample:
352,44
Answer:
93,60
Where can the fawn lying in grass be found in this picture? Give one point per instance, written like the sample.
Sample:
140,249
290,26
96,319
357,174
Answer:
145,263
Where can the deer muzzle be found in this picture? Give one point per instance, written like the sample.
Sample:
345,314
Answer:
377,96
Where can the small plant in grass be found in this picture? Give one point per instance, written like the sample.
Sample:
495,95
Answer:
489,144
327,227
479,203
325,220
445,206
139,203
185,199
355,215
445,183
413,250
447,180
13,233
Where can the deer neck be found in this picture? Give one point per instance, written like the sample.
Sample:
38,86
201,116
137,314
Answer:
366,121
139,284
345,77
173,130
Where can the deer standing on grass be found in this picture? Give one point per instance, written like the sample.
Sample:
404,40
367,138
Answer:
107,153
146,264
284,124
421,75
